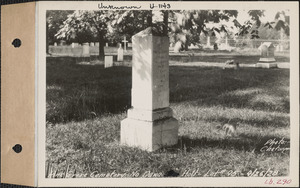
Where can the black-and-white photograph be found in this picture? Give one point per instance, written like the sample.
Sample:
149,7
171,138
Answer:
165,93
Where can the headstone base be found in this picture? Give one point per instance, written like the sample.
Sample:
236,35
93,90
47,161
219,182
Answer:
266,59
149,135
283,65
266,65
149,115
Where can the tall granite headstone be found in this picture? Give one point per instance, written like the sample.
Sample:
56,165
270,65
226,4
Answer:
149,124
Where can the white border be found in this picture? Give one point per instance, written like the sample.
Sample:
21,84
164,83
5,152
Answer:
162,182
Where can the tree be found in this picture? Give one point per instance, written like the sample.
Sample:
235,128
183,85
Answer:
187,25
128,23
54,20
87,25
250,26
281,23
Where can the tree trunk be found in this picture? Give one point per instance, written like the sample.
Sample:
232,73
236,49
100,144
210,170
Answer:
165,25
149,19
187,41
101,47
47,37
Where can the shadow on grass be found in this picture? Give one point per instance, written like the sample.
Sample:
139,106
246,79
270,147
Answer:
210,86
242,142
77,92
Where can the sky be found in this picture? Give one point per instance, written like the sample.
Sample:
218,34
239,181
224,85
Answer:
269,15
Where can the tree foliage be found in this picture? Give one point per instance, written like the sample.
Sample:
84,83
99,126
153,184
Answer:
87,26
250,27
187,25
55,19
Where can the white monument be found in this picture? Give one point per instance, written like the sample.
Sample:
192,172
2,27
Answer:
208,41
149,124
108,61
55,44
208,45
120,53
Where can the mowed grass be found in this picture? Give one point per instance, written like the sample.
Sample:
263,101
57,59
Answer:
85,104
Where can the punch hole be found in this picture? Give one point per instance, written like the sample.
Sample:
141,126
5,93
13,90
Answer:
17,148
16,43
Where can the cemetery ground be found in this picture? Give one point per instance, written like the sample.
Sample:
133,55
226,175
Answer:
85,104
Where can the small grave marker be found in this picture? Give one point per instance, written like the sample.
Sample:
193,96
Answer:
108,61
120,53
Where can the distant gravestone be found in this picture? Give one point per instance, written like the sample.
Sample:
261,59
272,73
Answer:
97,44
177,46
108,61
92,44
73,45
150,124
208,41
55,44
120,53
129,45
226,41
266,60
86,50
62,43
106,44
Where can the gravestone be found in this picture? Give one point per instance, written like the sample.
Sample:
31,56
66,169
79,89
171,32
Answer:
177,47
76,51
208,45
55,44
84,55
62,43
92,44
106,44
86,50
267,59
150,124
108,61
208,41
120,53
97,44
129,45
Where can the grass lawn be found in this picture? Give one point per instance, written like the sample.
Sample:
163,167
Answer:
85,104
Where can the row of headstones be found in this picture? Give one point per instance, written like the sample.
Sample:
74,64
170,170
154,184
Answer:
278,47
75,44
